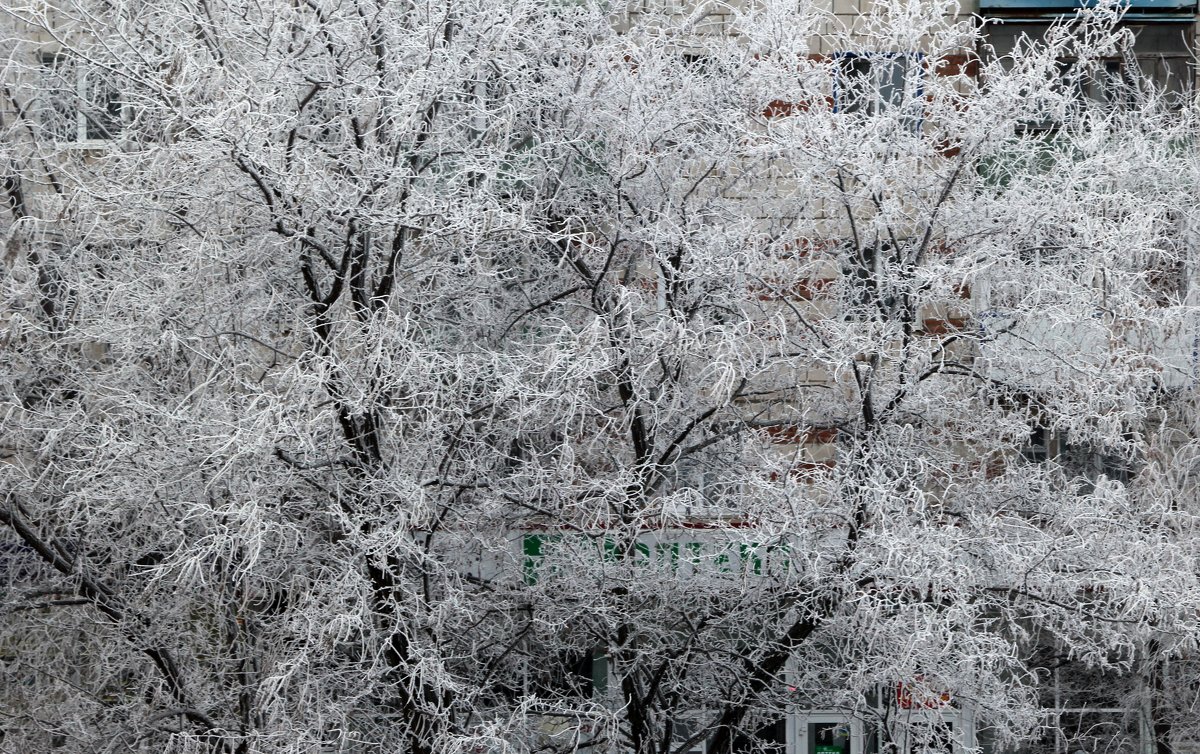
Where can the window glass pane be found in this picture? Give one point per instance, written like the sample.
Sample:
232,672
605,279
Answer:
102,106
829,738
1159,55
931,738
58,113
78,102
891,75
854,84
875,83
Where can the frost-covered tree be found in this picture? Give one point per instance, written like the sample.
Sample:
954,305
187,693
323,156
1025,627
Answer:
525,376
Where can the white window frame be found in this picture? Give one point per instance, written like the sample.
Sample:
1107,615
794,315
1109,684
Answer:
885,96
799,721
65,94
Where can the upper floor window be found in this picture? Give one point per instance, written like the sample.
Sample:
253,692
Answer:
80,102
1083,460
1043,445
875,82
1154,60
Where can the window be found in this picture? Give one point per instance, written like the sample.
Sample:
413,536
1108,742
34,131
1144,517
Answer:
1086,707
1092,463
933,737
1167,278
688,733
829,738
874,83
1078,459
1156,57
1112,82
864,290
769,737
1042,445
570,674
707,476
80,102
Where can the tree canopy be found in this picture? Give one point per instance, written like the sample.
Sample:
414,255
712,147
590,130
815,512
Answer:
549,376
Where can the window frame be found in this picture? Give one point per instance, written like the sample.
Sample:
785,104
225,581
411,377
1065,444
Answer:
69,112
914,69
1114,81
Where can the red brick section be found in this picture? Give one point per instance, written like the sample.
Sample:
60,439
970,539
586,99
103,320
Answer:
966,64
961,64
936,326
941,248
948,148
801,290
795,434
779,108
990,467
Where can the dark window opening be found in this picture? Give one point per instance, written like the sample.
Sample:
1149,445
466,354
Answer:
80,102
1155,59
878,83
769,739
573,674
828,738
931,738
